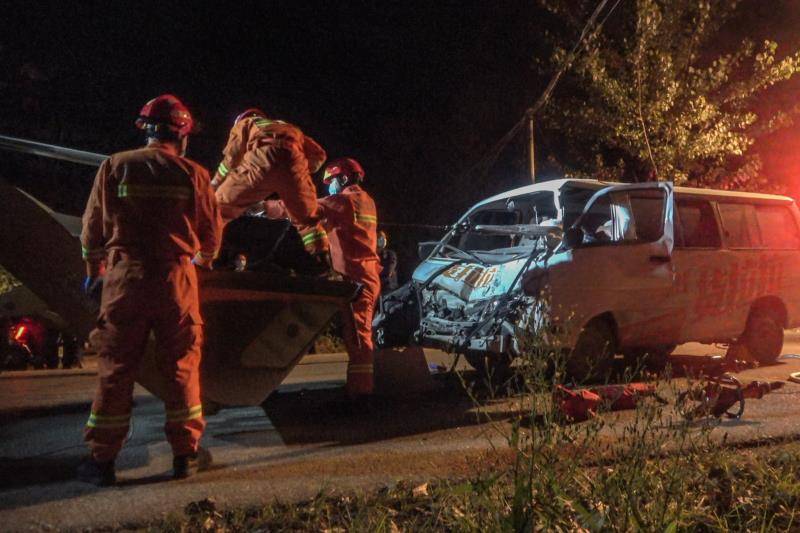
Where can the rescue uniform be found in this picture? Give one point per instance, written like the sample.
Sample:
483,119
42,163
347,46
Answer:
150,211
350,220
264,157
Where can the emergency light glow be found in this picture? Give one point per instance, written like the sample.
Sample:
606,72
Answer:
20,332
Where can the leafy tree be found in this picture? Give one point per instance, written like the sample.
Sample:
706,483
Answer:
657,94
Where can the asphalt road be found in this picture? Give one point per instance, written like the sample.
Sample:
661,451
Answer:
303,440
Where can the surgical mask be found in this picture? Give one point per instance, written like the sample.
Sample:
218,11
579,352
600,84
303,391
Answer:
334,187
381,243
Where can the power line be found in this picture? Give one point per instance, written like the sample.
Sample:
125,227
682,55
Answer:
488,160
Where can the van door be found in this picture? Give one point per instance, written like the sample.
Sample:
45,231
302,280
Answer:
703,270
620,263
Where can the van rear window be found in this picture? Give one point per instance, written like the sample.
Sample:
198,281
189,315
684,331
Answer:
697,225
778,227
740,225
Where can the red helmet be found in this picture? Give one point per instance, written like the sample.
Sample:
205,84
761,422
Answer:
345,166
166,109
252,112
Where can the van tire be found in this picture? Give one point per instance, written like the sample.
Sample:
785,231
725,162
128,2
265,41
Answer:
763,336
593,354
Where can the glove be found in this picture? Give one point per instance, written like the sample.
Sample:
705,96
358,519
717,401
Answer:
93,287
202,262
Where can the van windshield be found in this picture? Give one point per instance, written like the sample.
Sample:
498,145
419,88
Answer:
472,238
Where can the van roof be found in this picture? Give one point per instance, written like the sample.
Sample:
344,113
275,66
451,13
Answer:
711,194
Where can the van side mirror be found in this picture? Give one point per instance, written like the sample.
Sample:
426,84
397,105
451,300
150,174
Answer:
424,249
573,237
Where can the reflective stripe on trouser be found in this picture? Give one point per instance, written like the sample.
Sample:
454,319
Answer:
358,340
265,170
137,300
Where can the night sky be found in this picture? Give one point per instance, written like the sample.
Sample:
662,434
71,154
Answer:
417,91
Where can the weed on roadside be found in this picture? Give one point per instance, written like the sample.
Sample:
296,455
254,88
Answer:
647,469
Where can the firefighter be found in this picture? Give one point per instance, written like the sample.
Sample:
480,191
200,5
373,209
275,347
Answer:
350,219
150,218
265,157
388,260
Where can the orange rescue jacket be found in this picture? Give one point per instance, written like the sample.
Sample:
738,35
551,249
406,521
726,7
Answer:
247,134
151,204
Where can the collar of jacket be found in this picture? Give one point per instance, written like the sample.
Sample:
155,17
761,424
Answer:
165,146
352,188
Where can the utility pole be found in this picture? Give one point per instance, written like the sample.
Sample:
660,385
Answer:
532,147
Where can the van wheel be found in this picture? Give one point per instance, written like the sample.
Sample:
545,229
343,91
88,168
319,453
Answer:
763,336
653,358
593,354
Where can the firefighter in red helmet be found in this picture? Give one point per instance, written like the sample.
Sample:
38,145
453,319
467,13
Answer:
151,216
350,219
263,157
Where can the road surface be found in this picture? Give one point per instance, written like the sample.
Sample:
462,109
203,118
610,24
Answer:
303,440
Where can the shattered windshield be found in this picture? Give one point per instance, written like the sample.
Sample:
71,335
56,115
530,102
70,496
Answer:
495,232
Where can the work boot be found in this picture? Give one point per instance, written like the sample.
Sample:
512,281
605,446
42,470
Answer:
184,466
96,473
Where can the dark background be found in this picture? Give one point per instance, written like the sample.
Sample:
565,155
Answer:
416,91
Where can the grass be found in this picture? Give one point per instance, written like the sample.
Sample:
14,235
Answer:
651,470
735,490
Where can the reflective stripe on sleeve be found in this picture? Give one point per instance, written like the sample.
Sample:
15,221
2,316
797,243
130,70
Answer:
222,170
137,190
184,415
369,219
314,236
108,422
94,253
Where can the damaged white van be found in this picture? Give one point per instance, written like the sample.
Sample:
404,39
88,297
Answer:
631,269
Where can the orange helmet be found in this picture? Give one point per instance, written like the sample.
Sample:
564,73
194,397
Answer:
252,112
167,110
344,167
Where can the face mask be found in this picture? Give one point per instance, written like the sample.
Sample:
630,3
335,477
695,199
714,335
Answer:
381,243
334,187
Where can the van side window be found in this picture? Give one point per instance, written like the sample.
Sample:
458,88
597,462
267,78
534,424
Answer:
696,225
740,224
778,227
648,213
625,217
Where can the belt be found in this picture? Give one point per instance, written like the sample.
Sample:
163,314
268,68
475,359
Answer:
116,255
